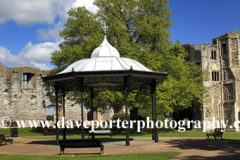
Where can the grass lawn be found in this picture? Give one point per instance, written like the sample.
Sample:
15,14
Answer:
3,143
161,133
22,132
148,156
75,134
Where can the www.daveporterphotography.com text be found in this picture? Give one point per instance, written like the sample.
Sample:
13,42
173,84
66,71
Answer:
181,125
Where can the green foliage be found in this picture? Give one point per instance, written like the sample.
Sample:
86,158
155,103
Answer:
50,117
138,30
121,116
82,35
101,100
148,113
183,84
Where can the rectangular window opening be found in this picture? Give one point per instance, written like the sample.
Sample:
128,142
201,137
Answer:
24,79
27,80
213,54
215,76
224,49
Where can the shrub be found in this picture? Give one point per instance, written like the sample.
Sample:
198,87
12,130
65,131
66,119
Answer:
121,116
50,117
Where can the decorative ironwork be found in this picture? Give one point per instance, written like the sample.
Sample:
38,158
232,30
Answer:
114,83
103,81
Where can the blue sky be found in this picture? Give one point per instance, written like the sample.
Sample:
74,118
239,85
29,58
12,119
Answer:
199,21
29,29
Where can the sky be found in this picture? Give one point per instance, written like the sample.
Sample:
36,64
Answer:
29,28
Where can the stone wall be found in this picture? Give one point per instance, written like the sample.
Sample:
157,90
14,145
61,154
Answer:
234,52
23,98
21,103
228,92
224,100
72,111
216,99
229,114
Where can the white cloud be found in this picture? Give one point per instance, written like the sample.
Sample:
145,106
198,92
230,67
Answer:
87,3
31,55
42,66
53,32
6,56
39,52
28,12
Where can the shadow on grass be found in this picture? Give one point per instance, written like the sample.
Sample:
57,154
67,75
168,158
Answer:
144,131
39,130
83,154
222,156
115,131
47,142
199,144
229,149
103,140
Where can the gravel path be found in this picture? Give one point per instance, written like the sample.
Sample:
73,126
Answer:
191,148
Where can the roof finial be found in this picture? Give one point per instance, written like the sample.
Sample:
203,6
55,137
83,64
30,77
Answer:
105,27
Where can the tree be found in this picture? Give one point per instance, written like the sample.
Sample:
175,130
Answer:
139,30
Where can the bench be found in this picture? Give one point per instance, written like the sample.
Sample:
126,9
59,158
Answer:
80,143
218,132
51,131
100,132
12,124
3,138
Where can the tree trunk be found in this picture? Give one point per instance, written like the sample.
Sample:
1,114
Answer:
134,116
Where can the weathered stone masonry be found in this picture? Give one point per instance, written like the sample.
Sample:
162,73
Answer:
21,99
221,60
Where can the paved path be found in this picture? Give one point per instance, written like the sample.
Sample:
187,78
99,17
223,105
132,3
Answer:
191,148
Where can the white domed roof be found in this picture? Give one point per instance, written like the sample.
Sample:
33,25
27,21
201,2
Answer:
105,50
105,58
105,64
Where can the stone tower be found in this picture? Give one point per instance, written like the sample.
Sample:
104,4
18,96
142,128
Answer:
221,61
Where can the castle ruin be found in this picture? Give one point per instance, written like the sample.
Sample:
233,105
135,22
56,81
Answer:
23,97
221,60
22,93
